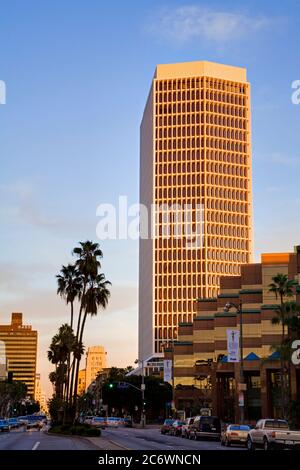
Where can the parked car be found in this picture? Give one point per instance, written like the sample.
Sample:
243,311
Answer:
234,434
175,429
98,422
273,434
166,426
4,425
206,427
186,428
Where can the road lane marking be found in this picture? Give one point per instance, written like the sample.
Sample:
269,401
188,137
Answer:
36,445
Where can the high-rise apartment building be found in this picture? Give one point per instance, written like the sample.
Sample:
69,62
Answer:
196,152
95,362
21,351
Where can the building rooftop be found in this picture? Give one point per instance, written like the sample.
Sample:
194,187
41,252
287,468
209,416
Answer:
201,69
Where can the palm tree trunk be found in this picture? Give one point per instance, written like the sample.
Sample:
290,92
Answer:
73,393
282,374
72,314
78,361
69,360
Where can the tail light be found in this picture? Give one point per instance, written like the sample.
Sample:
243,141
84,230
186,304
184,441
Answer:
273,434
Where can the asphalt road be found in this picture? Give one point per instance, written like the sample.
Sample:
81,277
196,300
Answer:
122,438
152,439
38,440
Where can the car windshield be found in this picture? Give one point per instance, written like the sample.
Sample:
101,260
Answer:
276,424
237,427
169,421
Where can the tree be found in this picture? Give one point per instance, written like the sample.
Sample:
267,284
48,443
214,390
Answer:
62,344
82,281
69,285
282,287
11,395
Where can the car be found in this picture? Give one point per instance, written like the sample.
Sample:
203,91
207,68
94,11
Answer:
186,428
13,423
113,422
98,422
87,419
166,426
234,434
273,434
4,425
208,427
175,429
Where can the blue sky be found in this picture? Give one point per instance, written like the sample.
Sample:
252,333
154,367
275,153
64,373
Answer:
77,76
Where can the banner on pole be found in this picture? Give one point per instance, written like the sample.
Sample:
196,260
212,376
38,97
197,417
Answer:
167,370
233,345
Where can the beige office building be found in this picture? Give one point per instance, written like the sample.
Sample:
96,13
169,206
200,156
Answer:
96,361
195,151
21,351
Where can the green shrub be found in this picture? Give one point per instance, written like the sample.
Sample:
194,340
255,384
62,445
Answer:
92,432
76,430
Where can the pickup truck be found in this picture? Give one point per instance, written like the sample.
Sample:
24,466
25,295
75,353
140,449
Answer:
273,434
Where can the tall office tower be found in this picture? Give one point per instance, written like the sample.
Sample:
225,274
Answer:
21,351
195,150
95,362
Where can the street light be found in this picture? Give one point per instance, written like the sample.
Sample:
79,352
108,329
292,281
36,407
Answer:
239,311
143,417
166,345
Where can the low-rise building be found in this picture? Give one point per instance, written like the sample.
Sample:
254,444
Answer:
203,377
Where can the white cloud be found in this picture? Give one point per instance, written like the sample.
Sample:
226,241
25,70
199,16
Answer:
188,23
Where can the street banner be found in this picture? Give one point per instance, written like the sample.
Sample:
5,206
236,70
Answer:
167,370
233,345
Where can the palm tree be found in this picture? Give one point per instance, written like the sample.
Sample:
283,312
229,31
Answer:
59,351
94,294
69,285
282,287
95,297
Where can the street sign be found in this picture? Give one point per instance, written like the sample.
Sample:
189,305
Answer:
167,370
233,345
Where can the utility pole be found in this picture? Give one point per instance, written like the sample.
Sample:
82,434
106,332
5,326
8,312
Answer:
241,388
143,387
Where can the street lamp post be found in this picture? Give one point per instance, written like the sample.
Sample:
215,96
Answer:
239,310
143,416
165,345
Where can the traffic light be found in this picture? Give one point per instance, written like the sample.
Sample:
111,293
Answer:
111,385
